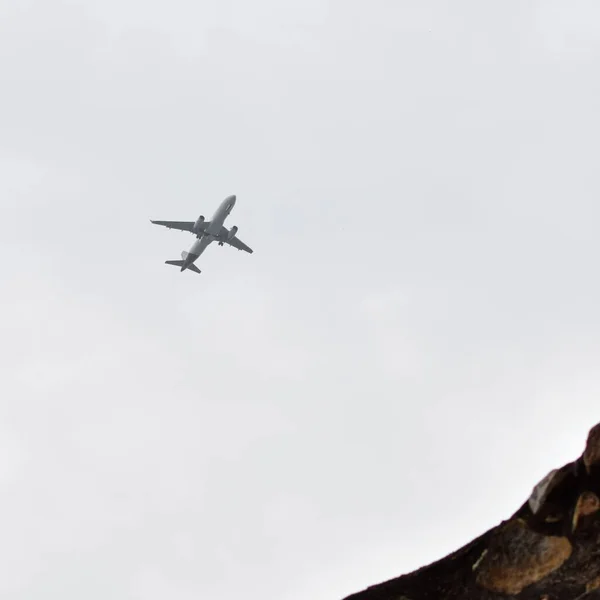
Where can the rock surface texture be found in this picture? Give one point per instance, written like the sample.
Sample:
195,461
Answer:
548,550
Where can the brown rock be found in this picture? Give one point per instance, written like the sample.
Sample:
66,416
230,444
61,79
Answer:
594,584
518,557
549,549
587,504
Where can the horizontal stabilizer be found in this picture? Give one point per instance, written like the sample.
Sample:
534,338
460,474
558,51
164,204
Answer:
179,263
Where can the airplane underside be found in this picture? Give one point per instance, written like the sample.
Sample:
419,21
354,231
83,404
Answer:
206,232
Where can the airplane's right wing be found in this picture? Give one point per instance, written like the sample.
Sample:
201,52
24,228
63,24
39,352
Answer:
181,225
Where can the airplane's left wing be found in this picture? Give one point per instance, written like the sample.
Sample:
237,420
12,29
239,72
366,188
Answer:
181,225
235,241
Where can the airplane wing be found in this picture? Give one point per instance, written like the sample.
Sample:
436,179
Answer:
181,225
235,242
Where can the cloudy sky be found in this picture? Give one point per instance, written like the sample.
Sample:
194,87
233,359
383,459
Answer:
413,344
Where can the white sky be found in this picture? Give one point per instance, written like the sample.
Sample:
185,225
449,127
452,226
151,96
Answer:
413,344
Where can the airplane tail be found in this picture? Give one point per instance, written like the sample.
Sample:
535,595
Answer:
179,263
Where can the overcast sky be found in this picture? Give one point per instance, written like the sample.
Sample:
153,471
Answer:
413,344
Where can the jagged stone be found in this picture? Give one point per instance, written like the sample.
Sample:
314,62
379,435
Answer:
517,557
591,454
548,550
592,585
543,488
587,504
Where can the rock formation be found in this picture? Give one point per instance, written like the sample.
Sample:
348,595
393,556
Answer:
548,550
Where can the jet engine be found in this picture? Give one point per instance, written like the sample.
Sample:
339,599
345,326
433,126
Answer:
232,232
198,223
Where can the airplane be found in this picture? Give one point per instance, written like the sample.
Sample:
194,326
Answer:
206,232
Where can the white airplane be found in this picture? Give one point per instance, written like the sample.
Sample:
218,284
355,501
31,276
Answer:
206,232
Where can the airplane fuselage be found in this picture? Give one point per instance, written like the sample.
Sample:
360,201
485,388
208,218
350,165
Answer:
211,233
